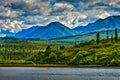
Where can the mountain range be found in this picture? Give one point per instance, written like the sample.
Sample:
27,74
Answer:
108,23
58,30
52,30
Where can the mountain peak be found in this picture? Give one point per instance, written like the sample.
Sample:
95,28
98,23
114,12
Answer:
52,30
54,23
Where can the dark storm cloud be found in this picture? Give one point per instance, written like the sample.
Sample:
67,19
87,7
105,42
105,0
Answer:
61,8
100,4
19,5
115,9
23,6
43,0
57,12
72,1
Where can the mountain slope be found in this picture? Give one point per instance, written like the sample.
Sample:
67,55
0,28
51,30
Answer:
27,32
108,23
52,30
86,37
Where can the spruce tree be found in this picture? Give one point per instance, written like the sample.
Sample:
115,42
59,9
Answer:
62,47
107,35
112,38
98,38
47,51
116,35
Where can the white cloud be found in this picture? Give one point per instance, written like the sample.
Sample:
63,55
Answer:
73,19
13,26
114,2
65,6
10,14
103,15
40,12
61,9
38,7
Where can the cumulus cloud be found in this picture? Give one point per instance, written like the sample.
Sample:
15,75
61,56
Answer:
13,26
103,15
38,7
9,14
73,19
18,14
61,8
27,6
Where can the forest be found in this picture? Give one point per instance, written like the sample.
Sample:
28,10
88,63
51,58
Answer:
99,52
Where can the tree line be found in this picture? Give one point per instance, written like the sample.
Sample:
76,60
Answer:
115,39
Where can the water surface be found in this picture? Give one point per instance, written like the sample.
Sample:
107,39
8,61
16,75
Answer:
49,73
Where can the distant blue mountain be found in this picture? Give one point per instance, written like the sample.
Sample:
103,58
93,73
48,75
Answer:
52,30
27,32
58,30
6,33
108,23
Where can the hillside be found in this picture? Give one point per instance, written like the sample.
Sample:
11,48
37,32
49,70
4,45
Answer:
106,53
85,37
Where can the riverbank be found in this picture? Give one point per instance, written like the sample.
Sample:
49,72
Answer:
47,65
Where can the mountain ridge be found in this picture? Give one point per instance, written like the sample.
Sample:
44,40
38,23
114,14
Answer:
108,23
57,30
52,30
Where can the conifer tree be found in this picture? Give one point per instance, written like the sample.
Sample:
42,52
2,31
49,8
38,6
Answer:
98,38
107,35
62,47
116,35
48,51
112,38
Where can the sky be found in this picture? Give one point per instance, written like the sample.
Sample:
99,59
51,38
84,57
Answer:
16,15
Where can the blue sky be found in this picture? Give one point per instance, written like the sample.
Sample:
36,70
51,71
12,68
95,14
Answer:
16,15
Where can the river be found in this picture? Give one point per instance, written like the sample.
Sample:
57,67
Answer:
50,73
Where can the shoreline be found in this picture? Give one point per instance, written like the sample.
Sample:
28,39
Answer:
53,65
